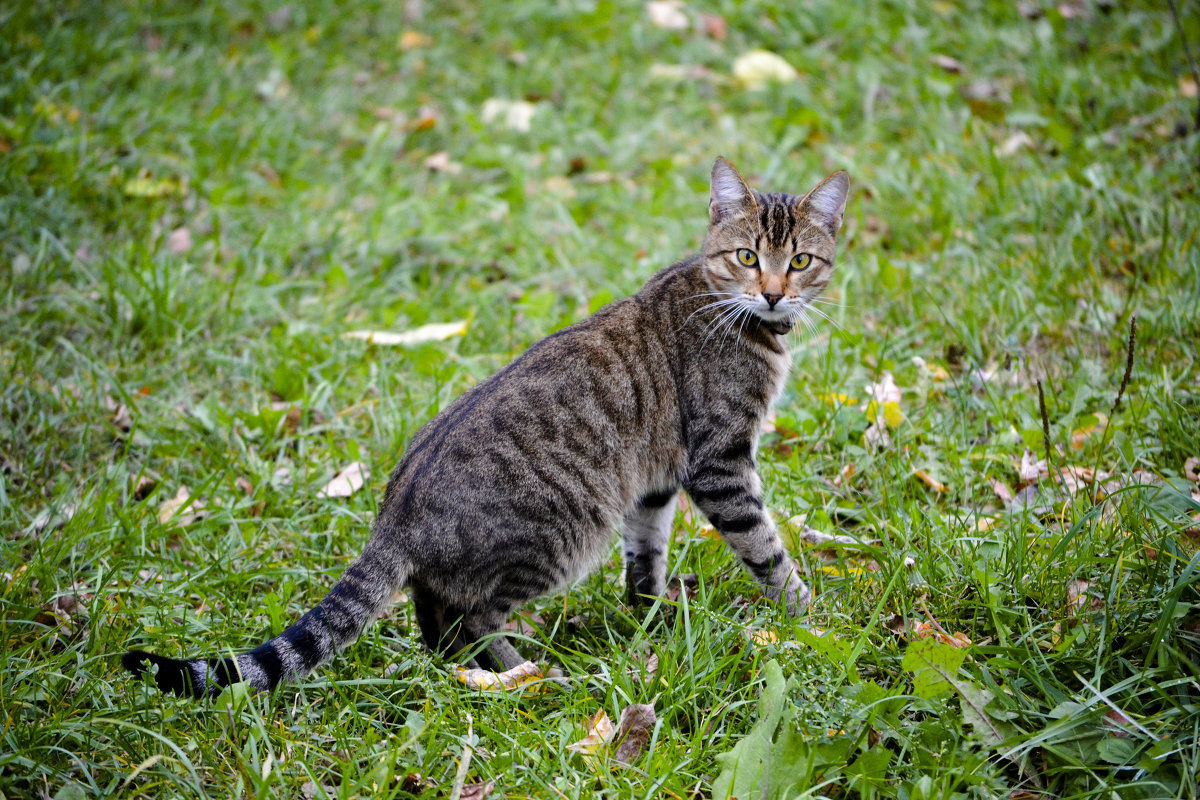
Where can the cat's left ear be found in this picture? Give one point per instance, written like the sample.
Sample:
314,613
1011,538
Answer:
827,202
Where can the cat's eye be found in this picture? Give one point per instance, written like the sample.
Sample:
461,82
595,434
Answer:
800,261
747,258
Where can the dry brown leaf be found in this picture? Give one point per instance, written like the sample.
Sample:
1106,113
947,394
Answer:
925,630
1002,491
1191,469
120,417
947,64
633,732
1187,86
346,482
930,481
1031,468
145,485
688,582
1080,599
68,618
1116,722
310,790
486,680
244,485
182,508
476,791
668,14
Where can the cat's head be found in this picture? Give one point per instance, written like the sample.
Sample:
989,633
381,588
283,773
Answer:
771,254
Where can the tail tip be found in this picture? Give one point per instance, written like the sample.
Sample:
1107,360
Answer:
173,675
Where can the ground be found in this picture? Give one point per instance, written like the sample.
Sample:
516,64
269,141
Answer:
201,200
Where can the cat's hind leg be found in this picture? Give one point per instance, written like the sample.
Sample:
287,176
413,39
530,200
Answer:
646,532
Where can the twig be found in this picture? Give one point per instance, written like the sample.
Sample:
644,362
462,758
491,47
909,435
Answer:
460,777
1128,366
1187,51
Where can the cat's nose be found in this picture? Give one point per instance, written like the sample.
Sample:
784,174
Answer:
772,299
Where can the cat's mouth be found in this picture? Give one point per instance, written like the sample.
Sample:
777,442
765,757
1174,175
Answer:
779,327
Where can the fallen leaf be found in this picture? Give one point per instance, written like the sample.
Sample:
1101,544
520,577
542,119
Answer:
804,533
145,485
147,187
179,241
947,64
1116,722
688,583
273,87
1014,143
763,637
1094,424
346,482
667,14
434,332
1002,491
1031,468
486,680
67,618
476,791
876,437
1080,599
410,40
715,26
883,391
515,115
120,417
1191,469
680,72
282,476
181,508
600,732
633,732
440,162
930,481
1187,86
425,119
244,485
757,68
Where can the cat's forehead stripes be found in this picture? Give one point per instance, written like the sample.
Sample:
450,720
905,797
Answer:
777,217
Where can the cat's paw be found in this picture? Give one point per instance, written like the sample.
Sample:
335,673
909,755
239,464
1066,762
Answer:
791,589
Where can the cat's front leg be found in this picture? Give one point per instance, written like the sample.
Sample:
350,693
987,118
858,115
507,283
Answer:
646,532
730,496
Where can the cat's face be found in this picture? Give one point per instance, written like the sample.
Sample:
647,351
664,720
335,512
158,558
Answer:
770,255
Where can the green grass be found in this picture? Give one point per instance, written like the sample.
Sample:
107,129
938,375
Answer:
288,144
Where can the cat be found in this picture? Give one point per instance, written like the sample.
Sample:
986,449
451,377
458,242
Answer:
515,488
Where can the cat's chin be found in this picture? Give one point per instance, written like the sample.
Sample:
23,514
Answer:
778,324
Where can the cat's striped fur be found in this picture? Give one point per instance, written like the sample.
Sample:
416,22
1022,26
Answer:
514,489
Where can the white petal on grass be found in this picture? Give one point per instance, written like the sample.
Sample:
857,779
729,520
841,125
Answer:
346,482
434,332
516,115
757,68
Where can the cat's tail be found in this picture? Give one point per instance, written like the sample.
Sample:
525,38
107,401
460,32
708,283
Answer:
359,596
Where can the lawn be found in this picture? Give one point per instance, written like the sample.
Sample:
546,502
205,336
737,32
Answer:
200,200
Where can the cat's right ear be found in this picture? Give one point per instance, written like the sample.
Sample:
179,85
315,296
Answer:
728,194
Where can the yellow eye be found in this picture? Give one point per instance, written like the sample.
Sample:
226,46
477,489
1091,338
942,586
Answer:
800,261
747,258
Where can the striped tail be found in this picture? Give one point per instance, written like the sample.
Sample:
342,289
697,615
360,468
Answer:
360,595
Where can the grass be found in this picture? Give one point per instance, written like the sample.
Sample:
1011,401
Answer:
291,142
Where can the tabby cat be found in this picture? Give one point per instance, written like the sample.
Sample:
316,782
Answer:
514,489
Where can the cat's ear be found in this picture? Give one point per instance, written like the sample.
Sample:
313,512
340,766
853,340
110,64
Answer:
827,202
729,195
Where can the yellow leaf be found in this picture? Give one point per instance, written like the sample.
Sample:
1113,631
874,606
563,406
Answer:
485,680
600,732
144,186
892,415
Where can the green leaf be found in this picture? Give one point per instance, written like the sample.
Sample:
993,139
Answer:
933,665
748,762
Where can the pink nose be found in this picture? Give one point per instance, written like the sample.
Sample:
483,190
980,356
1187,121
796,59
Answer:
772,299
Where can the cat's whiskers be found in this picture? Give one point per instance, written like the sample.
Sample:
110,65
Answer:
727,301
